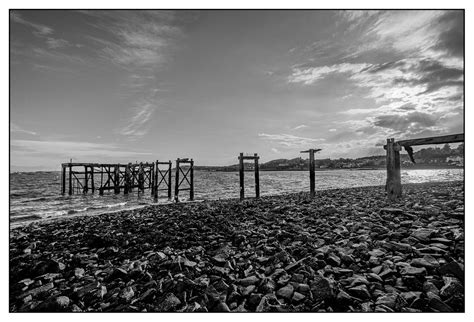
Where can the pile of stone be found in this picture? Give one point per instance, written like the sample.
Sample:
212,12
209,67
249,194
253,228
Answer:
347,250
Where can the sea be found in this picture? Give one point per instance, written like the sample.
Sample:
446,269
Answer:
37,195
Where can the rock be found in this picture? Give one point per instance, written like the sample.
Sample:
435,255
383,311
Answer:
415,271
248,290
118,273
395,211
221,307
38,291
79,272
321,288
333,260
423,234
286,292
127,294
169,303
360,292
453,268
410,297
439,306
251,280
254,299
451,287
393,301
427,261
297,297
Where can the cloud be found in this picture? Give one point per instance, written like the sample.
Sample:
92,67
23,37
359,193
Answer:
275,150
136,126
332,130
288,140
63,150
57,43
309,76
14,128
302,126
40,30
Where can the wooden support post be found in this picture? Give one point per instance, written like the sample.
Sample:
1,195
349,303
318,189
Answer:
393,185
241,176
101,188
117,179
141,180
169,180
126,188
151,178
63,180
70,179
191,188
86,180
257,177
155,182
176,188
92,179
311,173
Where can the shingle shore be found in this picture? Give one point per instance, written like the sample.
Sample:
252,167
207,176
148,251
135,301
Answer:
347,250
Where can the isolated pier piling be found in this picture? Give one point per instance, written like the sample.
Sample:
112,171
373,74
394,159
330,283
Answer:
86,179
70,179
188,177
92,179
176,182
191,183
117,179
312,164
255,158
169,180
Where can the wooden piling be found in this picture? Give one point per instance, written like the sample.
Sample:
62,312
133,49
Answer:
117,179
393,185
191,183
169,179
92,179
257,177
141,178
63,180
176,187
70,179
241,176
311,174
86,179
126,188
155,184
101,187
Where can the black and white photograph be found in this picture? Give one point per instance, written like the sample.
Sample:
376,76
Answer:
236,160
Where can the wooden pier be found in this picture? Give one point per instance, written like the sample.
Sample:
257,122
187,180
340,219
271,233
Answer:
394,183
188,176
90,177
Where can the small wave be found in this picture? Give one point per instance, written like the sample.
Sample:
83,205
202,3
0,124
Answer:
120,204
24,218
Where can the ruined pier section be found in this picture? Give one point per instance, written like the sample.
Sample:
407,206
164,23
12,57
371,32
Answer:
91,177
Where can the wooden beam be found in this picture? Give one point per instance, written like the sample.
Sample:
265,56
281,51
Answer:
92,179
393,185
191,184
241,176
311,173
63,179
453,138
116,179
176,185
70,179
155,181
257,177
169,179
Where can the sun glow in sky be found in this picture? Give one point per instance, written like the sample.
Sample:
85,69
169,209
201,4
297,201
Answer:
121,86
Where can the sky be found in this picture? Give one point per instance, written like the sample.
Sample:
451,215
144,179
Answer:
125,86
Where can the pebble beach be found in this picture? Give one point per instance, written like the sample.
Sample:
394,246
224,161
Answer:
346,250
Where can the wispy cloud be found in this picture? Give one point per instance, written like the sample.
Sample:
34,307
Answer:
302,126
14,128
288,140
39,29
136,126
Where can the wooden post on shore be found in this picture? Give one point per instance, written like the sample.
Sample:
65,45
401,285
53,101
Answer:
70,179
117,179
151,178
394,184
63,180
241,176
92,179
169,179
86,179
101,187
191,183
312,163
176,186
257,177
